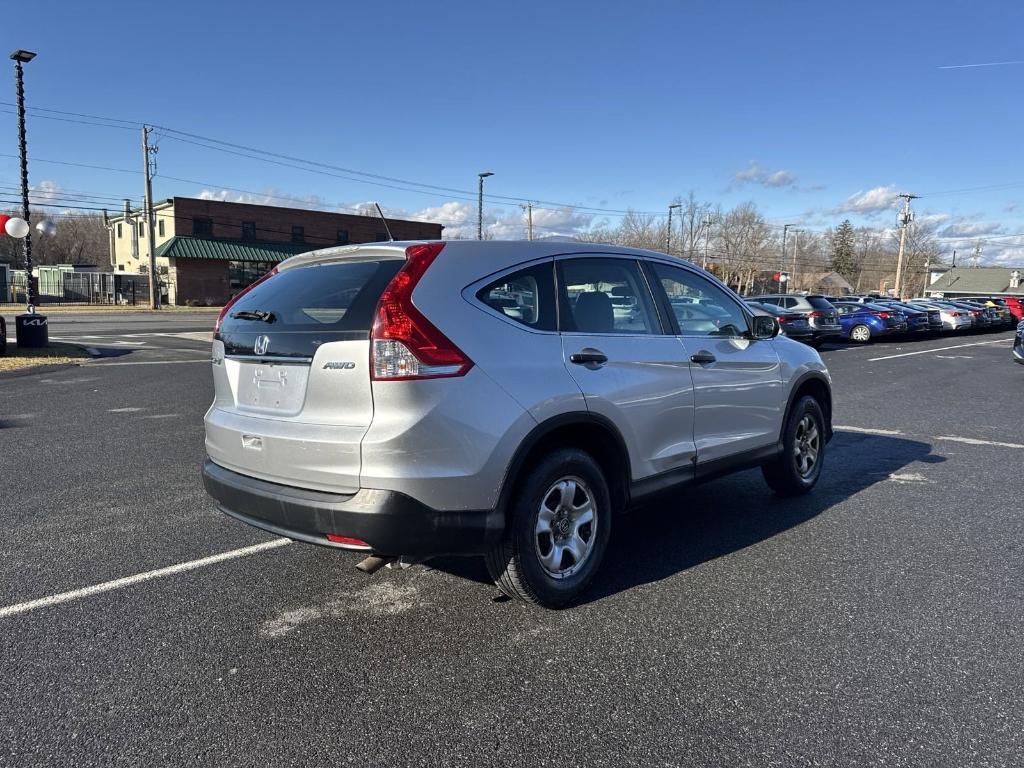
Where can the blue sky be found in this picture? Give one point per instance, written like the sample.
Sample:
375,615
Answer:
814,111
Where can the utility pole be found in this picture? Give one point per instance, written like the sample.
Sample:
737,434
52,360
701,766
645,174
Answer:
707,240
796,249
668,228
976,256
147,212
905,217
529,219
782,261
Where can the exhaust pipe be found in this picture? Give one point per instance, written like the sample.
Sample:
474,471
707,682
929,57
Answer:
374,563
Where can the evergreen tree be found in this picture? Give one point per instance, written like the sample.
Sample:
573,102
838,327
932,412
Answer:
844,260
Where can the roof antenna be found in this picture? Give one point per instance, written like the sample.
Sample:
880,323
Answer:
387,229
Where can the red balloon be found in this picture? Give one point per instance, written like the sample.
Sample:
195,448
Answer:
4,218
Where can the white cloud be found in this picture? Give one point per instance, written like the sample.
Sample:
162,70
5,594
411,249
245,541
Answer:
968,229
867,202
269,196
755,173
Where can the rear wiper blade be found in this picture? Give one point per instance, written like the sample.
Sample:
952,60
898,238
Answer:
254,314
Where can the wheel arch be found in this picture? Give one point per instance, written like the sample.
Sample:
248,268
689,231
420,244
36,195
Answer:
815,384
587,431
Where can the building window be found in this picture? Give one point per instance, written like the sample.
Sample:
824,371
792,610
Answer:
160,227
142,229
119,231
202,226
298,234
382,237
342,237
248,230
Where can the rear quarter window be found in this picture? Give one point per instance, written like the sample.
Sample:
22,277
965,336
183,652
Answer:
526,296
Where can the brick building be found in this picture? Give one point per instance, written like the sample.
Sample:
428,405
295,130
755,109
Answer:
208,250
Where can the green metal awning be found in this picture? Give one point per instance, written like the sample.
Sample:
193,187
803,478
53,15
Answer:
186,247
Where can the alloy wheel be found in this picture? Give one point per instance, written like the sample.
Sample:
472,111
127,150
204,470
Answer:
566,527
806,446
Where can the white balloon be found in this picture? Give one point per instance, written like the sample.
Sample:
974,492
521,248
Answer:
47,227
17,227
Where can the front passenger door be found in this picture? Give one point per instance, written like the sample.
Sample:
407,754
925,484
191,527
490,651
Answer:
738,395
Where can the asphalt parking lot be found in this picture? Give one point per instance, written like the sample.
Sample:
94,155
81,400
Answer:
879,620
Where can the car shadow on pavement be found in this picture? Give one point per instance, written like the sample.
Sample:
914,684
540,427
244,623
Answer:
694,525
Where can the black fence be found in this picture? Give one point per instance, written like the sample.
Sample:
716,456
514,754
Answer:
77,288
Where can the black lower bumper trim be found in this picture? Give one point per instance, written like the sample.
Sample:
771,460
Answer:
391,523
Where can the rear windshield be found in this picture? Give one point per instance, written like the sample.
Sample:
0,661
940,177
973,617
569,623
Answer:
335,296
301,308
819,302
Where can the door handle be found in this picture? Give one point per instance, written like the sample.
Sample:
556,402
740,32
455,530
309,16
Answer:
585,356
702,358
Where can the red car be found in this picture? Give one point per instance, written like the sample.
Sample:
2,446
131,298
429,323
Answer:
1015,305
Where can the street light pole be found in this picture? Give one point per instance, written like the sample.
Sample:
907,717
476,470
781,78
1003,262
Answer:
668,229
21,57
480,206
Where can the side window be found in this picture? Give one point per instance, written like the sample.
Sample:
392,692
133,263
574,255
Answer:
605,296
526,296
700,307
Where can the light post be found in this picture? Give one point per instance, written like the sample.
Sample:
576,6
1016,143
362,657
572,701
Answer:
668,230
480,206
20,57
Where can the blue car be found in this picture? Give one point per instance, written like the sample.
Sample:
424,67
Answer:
1018,344
864,322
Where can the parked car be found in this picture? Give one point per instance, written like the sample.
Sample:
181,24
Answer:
374,398
984,318
1016,306
918,320
998,311
821,315
1018,343
864,322
792,324
980,316
953,318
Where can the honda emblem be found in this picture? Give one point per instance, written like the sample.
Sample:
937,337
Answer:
260,347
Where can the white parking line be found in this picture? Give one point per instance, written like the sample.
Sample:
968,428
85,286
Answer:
939,349
975,441
127,581
869,431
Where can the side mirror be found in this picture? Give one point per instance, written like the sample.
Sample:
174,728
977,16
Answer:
764,327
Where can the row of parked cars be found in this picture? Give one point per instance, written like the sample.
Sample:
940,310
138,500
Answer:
815,319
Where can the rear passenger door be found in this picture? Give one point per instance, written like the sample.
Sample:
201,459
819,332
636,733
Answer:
630,368
738,396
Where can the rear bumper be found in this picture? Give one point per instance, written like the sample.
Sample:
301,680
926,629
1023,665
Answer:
391,523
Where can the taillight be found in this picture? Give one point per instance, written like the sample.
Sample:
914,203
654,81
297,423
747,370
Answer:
954,314
404,344
883,315
237,296
816,313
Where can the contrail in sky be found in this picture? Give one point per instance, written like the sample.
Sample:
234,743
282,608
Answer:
989,64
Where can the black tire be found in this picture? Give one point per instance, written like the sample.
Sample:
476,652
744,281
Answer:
515,563
783,474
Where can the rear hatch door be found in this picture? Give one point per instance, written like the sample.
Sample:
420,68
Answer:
291,373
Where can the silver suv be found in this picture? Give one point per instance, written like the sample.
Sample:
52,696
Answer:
503,399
